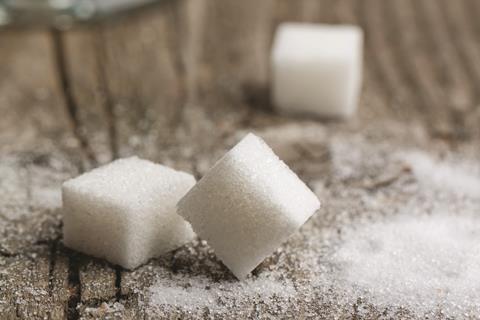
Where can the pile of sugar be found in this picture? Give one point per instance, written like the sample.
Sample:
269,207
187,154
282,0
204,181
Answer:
197,293
425,264
457,177
421,259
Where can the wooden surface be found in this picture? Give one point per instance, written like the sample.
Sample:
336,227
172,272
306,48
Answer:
179,84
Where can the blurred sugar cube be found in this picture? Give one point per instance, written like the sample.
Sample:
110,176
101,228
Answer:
125,211
317,69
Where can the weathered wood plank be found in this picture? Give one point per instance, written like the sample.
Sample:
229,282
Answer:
38,150
374,99
94,116
384,62
98,281
444,40
88,89
461,27
417,66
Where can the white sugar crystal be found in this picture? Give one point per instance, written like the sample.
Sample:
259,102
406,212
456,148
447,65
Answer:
317,69
125,211
421,263
247,205
458,178
198,293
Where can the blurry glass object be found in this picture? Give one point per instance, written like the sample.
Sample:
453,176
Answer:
61,13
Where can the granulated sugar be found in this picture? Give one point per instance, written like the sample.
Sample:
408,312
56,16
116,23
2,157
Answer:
197,293
421,258
427,264
25,184
407,249
111,310
456,177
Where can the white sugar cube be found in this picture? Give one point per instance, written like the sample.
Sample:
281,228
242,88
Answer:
317,69
247,205
125,211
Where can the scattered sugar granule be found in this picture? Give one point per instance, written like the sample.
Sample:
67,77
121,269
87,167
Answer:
456,177
197,293
427,265
105,310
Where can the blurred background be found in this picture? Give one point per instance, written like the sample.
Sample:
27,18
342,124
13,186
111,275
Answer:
178,82
141,78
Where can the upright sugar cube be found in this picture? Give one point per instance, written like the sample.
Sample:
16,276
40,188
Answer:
125,211
317,69
247,205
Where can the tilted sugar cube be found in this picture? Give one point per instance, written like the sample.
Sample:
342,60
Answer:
247,205
317,69
125,211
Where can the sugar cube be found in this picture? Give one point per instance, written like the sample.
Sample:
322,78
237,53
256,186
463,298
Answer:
247,205
317,69
125,211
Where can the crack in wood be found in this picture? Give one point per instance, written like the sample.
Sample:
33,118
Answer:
417,70
51,264
422,20
448,70
7,254
118,283
108,103
71,105
17,311
403,65
75,287
473,9
459,48
178,58
372,41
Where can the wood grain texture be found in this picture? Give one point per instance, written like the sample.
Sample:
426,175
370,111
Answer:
38,151
179,84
